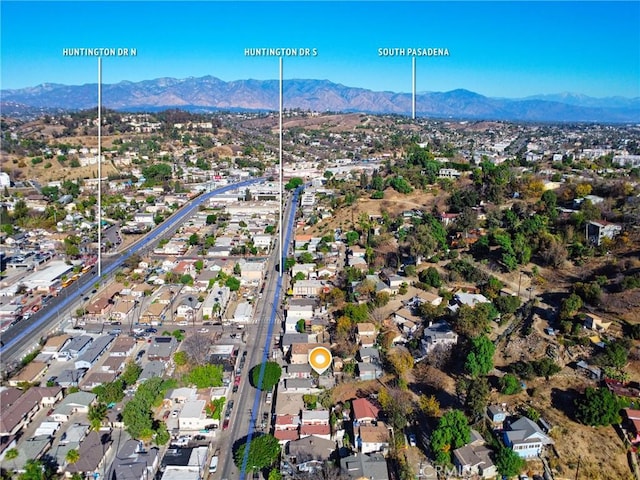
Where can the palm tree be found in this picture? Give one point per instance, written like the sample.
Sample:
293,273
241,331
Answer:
216,309
33,470
97,413
72,456
12,454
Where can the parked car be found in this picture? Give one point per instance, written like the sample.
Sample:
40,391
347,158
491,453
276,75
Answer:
213,466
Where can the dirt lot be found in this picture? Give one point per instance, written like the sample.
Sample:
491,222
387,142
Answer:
393,202
600,450
331,123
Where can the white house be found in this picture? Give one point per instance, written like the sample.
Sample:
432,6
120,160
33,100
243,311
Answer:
598,231
243,313
438,334
373,438
193,416
525,438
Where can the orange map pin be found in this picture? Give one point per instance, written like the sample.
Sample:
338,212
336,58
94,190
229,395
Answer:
320,359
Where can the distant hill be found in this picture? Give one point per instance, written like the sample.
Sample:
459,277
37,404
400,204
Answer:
211,93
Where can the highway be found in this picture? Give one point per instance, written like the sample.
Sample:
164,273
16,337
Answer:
249,405
25,335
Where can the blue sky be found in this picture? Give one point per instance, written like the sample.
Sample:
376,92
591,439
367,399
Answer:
499,49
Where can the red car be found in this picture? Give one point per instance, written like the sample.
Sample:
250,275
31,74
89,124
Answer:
225,424
236,382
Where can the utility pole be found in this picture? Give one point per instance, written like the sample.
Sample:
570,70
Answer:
99,166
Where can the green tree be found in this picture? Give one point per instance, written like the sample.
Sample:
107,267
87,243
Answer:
300,326
431,277
289,262
177,334
112,392
204,376
156,173
400,185
274,474
233,284
480,358
615,354
271,376
162,434
474,321
299,276
507,303
294,183
37,470
199,265
590,292
532,414
52,193
357,313
137,415
453,432
72,456
598,406
306,257
194,239
508,462
545,367
71,188
352,237
509,384
570,306
11,456
97,413
214,408
477,397
180,358
131,373
263,452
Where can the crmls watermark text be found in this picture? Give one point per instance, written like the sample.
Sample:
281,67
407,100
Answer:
439,471
99,52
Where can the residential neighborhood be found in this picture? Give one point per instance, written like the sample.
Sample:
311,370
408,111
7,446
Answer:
476,283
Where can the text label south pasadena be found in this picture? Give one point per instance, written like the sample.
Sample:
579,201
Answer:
413,52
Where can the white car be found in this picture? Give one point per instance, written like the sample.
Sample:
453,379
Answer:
213,466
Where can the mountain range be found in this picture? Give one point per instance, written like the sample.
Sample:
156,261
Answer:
210,93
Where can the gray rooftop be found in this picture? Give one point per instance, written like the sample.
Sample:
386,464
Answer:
154,368
373,466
